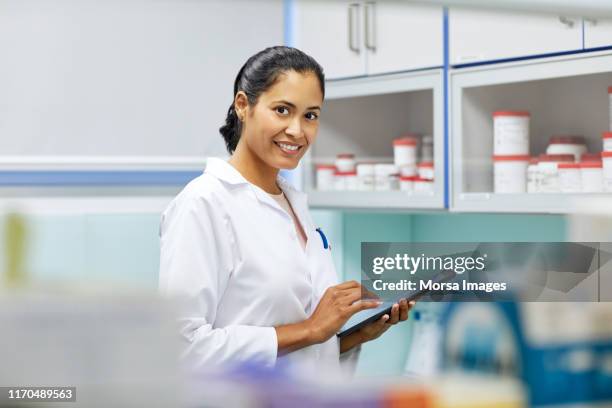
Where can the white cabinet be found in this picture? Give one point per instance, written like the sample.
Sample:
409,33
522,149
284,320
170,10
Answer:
352,38
554,91
484,35
362,116
404,36
332,33
597,33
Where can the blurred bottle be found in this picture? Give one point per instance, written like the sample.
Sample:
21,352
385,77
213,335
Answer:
15,238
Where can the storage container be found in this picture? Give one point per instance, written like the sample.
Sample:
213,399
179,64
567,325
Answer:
427,148
365,176
570,179
345,162
607,171
566,144
591,175
408,171
607,141
548,180
510,133
325,176
425,170
510,173
346,180
405,151
386,177
610,107
423,186
532,175
407,183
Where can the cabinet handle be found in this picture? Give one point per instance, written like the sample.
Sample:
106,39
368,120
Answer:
370,26
591,21
353,28
567,21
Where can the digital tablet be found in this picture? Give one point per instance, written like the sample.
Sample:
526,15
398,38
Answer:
365,317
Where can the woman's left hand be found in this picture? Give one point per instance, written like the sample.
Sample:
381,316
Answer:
399,313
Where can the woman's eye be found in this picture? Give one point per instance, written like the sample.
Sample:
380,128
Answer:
311,116
282,110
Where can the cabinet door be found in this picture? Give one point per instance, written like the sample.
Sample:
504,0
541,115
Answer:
597,33
483,35
401,36
332,32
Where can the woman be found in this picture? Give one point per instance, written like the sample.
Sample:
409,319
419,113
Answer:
238,248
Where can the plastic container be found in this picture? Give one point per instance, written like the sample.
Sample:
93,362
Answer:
548,180
345,162
510,173
589,157
606,158
510,133
425,170
407,183
610,107
567,145
591,176
423,186
427,148
386,177
345,180
325,176
408,171
532,175
405,151
570,179
365,176
607,141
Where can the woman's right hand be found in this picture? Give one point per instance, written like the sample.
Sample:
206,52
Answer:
337,305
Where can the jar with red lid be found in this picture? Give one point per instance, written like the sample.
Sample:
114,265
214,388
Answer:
345,162
607,141
591,176
325,176
570,180
567,144
548,181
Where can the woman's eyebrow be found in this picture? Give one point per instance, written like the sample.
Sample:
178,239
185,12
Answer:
293,106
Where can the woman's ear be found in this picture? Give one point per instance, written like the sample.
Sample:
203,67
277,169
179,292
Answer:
241,105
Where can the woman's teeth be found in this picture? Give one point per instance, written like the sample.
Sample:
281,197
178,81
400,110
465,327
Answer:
288,147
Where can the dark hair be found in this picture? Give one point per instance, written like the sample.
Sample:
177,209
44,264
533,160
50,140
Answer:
258,74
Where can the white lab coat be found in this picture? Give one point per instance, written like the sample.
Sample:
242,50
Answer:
231,257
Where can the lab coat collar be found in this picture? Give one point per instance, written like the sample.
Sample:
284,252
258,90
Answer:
227,173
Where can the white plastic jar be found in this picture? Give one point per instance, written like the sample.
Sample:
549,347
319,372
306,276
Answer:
510,173
591,175
351,181
610,107
405,151
427,148
607,141
386,177
567,145
408,171
532,175
365,176
325,176
510,133
423,186
606,158
345,162
425,169
548,180
407,183
570,179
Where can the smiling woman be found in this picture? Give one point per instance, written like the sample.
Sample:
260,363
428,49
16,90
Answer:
239,250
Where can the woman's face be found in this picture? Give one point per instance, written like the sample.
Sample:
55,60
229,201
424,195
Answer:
284,122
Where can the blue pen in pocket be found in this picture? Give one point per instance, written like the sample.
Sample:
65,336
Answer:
324,239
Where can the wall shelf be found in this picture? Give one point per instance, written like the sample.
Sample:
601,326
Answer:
565,95
362,116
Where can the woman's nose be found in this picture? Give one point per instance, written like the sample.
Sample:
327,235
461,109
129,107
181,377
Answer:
295,128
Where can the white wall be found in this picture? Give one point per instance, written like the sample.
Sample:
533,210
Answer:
124,78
